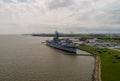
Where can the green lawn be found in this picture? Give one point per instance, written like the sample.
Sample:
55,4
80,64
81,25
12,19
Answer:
110,62
118,48
110,39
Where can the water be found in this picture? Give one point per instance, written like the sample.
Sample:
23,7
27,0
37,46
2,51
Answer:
25,58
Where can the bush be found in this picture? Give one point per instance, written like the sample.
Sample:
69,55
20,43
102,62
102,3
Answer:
118,57
115,55
113,61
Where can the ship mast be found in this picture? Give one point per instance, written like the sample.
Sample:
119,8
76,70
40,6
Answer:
56,38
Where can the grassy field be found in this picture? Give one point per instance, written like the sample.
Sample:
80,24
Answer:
118,48
110,62
110,39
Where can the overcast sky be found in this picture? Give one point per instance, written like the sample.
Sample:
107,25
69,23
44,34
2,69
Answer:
43,16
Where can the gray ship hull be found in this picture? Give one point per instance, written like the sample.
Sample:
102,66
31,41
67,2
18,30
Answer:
68,49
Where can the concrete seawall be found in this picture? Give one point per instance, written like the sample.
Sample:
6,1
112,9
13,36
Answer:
83,53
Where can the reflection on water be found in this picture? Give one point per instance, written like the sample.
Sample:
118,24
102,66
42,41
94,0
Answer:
25,58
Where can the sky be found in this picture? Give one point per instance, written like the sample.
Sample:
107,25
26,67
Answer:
45,16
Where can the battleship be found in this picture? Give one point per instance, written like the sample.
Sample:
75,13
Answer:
65,45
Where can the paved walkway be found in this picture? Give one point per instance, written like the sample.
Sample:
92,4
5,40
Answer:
81,52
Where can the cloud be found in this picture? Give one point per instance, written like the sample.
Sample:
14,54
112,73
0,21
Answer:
65,15
7,1
23,0
55,4
97,14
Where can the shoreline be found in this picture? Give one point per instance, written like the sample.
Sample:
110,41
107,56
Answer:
96,76
97,69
